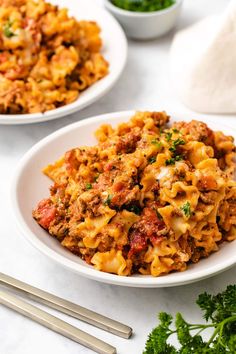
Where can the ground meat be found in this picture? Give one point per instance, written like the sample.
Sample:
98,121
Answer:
111,169
160,118
87,204
198,253
156,187
75,157
124,196
232,210
123,186
60,198
103,182
127,143
208,197
106,243
59,230
71,161
199,131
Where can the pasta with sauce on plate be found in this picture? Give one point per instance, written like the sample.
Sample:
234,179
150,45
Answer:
46,57
149,198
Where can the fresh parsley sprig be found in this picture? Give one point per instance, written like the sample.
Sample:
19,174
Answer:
220,309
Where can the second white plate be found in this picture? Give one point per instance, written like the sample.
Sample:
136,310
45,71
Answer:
114,50
30,186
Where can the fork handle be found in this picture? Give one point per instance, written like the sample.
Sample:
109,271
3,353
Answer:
55,324
66,307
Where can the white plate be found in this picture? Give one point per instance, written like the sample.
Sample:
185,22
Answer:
114,50
30,186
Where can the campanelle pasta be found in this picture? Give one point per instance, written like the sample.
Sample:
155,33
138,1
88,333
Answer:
46,57
149,198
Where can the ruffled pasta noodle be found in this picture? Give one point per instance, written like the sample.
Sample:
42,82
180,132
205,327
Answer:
149,198
46,57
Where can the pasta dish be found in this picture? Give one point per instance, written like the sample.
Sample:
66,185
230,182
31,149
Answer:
46,57
150,198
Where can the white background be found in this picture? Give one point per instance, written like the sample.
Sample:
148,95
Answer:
143,85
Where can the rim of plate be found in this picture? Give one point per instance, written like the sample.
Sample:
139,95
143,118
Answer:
90,272
84,99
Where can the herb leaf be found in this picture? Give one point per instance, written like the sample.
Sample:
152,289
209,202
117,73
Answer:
168,136
170,161
7,30
175,130
220,308
88,186
152,159
178,158
134,209
176,143
157,143
186,208
108,200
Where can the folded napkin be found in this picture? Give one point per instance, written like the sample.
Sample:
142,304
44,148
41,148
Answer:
203,63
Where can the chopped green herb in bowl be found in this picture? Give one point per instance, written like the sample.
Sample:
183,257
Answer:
143,5
145,19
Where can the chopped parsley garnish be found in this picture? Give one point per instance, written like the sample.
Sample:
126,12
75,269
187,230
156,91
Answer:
220,313
152,159
168,136
172,160
157,143
7,30
176,143
158,214
96,178
88,186
134,209
175,130
178,158
108,200
186,208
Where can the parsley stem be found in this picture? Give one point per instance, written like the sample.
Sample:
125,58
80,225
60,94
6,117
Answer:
213,336
197,326
220,328
200,331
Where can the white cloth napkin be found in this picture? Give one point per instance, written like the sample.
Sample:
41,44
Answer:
203,63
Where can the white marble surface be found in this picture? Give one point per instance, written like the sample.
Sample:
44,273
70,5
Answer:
143,85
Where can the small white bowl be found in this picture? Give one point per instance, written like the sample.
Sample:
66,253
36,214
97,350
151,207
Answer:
146,25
